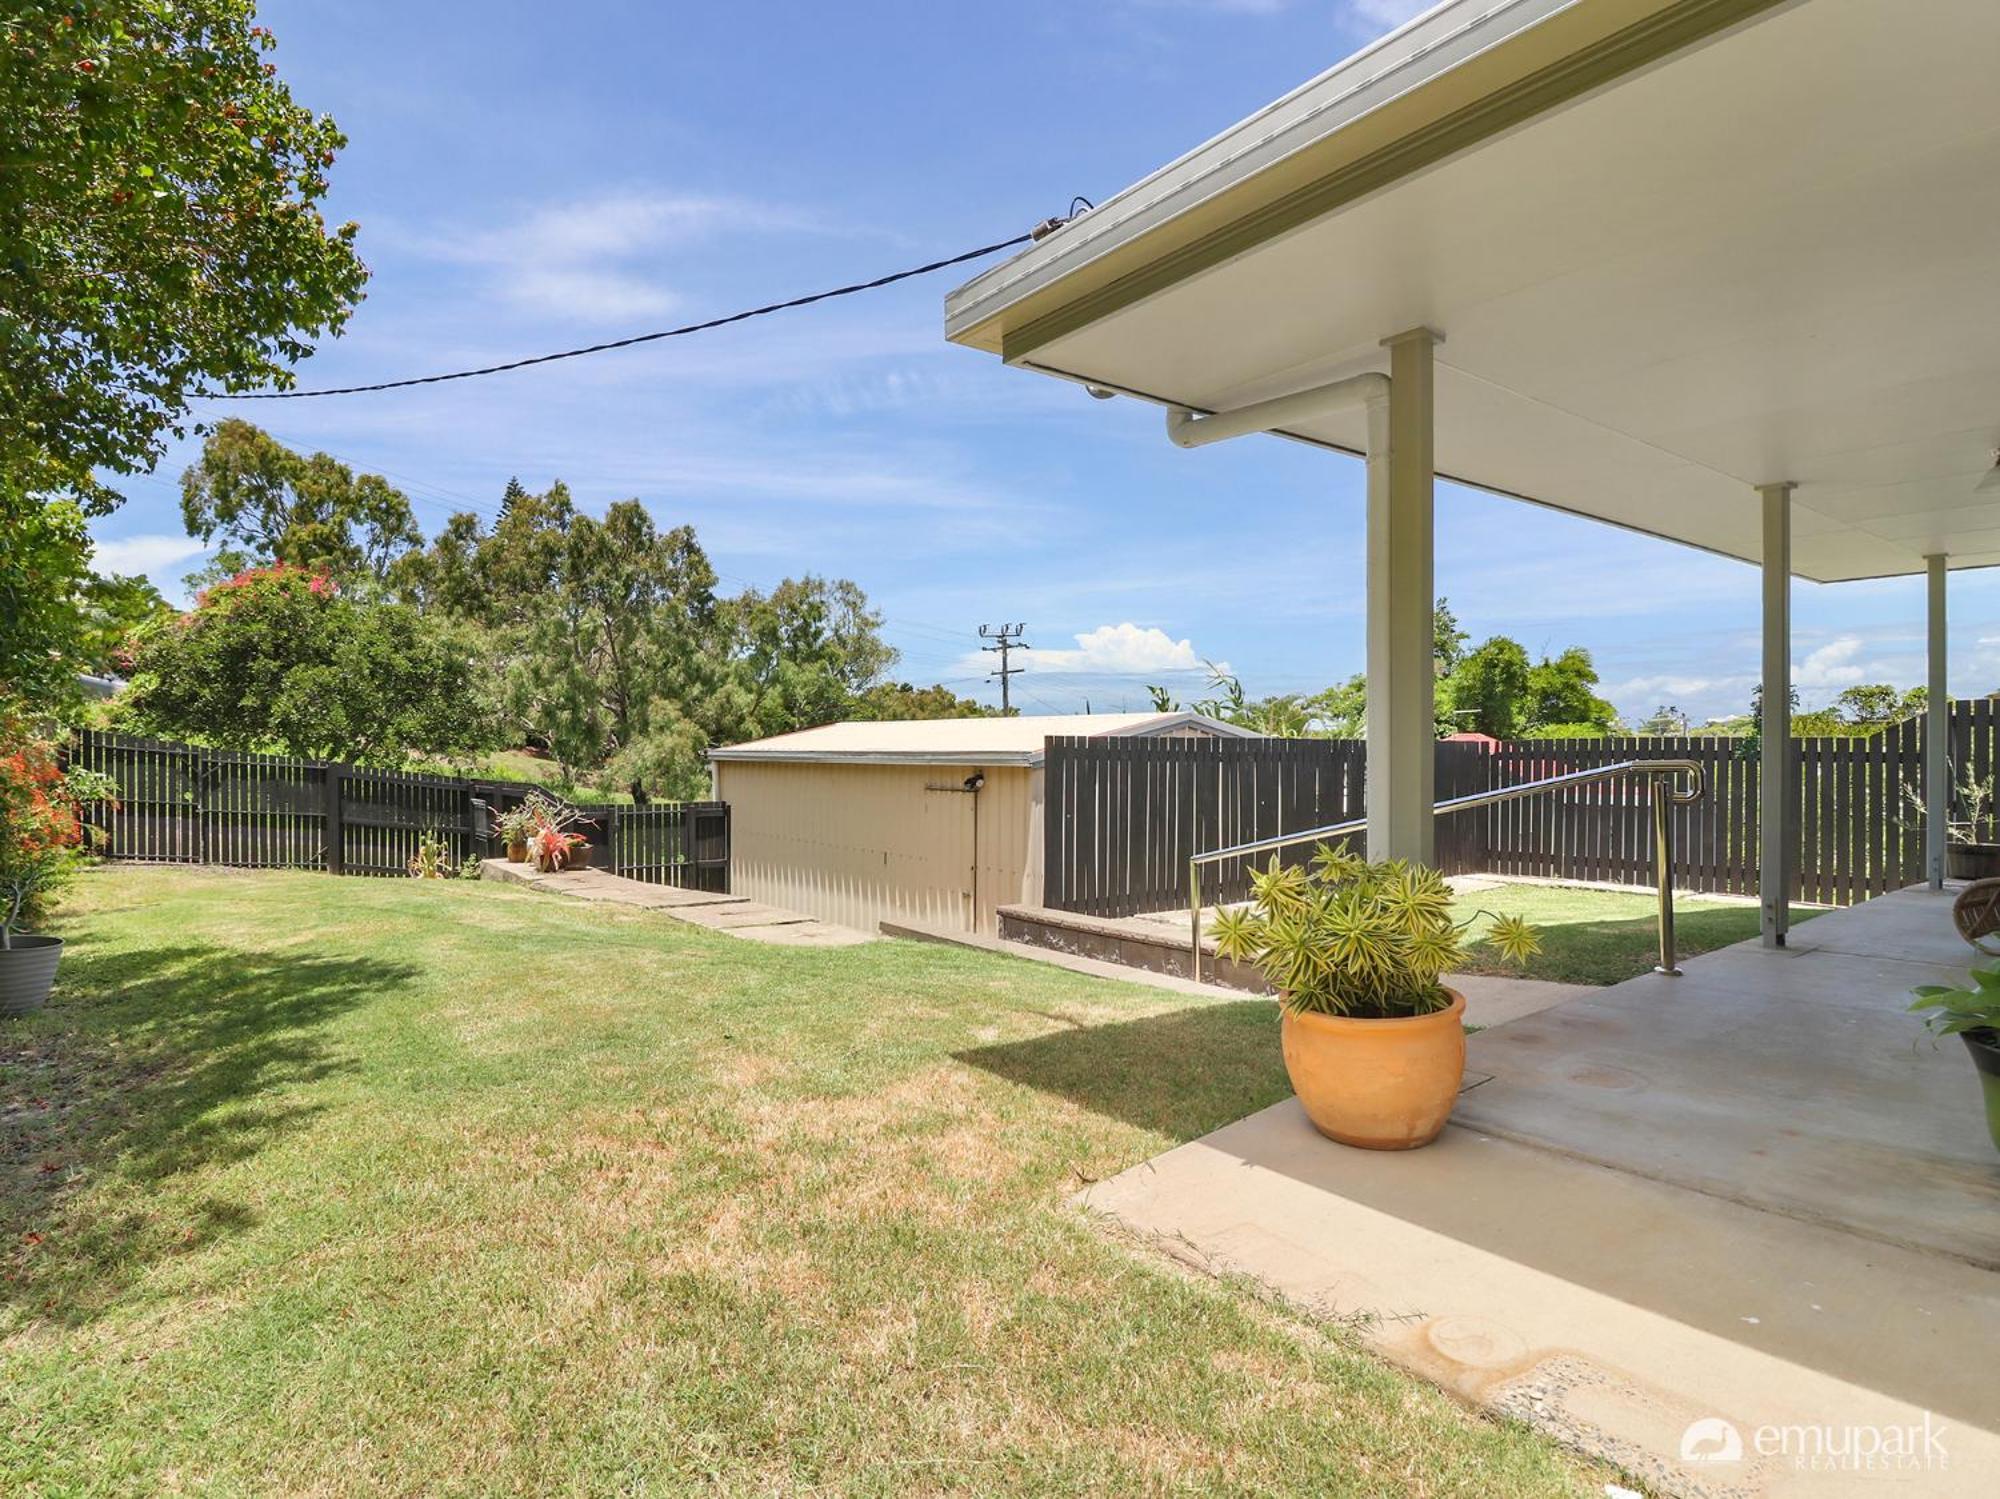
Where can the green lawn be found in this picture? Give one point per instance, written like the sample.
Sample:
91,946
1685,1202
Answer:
356,1185
1605,936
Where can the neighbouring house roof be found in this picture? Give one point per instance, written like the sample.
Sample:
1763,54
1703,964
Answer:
1676,249
963,741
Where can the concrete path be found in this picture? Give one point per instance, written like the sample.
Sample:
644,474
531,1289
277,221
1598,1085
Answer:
1612,1311
732,914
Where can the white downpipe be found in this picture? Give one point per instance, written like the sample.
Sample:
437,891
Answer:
1186,429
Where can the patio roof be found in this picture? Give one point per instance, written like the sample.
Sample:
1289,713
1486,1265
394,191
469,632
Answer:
1676,248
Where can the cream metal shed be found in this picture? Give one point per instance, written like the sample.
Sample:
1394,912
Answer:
934,821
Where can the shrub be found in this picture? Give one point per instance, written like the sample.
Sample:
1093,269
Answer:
1348,937
40,831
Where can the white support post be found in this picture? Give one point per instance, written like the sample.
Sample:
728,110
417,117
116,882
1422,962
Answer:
1402,733
1774,769
1937,727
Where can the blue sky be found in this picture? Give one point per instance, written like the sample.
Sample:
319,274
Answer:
528,178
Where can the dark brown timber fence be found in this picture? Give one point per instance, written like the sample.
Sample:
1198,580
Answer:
183,804
1122,817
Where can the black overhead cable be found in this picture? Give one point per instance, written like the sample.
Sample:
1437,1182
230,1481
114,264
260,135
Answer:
641,338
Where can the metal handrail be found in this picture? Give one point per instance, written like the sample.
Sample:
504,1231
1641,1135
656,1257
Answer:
1666,795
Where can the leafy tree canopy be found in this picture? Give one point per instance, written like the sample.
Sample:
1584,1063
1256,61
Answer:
282,660
161,232
1562,690
898,700
270,504
1490,689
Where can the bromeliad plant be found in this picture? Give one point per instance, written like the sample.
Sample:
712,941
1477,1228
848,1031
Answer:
1351,938
550,843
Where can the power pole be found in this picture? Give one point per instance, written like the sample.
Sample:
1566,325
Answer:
1005,638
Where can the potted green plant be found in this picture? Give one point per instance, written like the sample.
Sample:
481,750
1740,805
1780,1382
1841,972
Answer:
1971,1013
513,828
1373,1040
1966,856
40,835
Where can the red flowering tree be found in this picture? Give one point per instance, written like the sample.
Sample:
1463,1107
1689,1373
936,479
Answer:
281,659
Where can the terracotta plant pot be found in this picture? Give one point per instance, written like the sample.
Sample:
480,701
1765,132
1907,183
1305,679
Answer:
28,972
517,853
1378,1084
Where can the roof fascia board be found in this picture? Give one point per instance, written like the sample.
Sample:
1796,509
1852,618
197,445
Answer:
1002,759
1529,72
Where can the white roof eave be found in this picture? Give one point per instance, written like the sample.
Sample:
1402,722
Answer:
1416,53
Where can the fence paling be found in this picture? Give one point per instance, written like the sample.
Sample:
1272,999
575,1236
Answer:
186,804
1122,817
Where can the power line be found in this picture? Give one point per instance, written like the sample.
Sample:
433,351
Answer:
626,343
1005,638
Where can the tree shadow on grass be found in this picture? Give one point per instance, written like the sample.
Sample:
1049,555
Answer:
1180,1074
147,1065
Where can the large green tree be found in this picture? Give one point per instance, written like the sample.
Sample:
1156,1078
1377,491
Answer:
159,234
1562,690
283,660
1490,689
268,504
805,651
614,662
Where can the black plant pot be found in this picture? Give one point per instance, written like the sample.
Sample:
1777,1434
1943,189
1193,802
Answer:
1972,861
28,972
1985,1049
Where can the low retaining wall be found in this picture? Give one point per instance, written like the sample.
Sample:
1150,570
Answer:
1123,940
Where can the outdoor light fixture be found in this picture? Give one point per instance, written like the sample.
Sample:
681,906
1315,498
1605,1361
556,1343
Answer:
1990,481
1099,393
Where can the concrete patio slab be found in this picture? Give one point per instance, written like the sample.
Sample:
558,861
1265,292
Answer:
1790,1080
804,934
730,914
1494,999
1614,1311
748,913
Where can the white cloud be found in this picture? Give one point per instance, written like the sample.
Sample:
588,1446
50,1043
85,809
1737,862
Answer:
1833,665
146,554
596,259
1119,650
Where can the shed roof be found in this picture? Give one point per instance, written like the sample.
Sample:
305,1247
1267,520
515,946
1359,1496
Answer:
962,741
